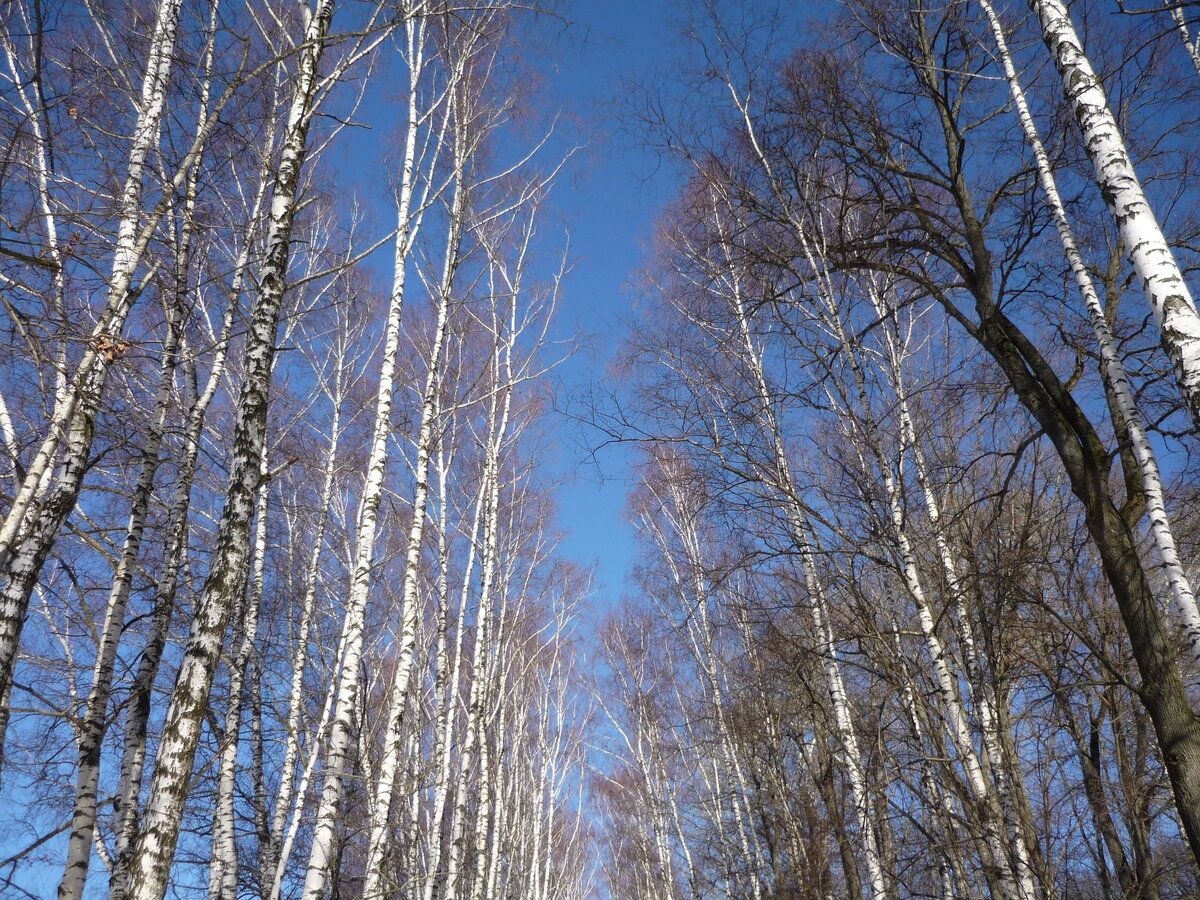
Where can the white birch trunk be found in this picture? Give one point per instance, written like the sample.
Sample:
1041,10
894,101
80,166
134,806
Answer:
484,813
385,784
1166,290
181,733
262,825
485,654
477,692
1016,877
94,725
288,837
8,434
694,591
448,698
990,738
979,690
287,788
31,526
807,547
938,808
1190,44
35,110
844,722
781,780
137,722
320,853
91,372
1113,370
223,862
386,778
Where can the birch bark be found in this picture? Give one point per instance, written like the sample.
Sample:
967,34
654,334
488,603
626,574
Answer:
1015,874
95,721
138,718
385,783
1116,378
94,726
447,686
173,560
1166,290
81,395
992,795
155,846
479,682
223,860
34,104
320,852
275,856
688,576
31,525
1190,44
807,548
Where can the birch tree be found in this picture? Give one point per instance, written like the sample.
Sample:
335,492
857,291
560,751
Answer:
31,524
192,503
92,733
159,830
1190,44
1038,387
1166,288
832,306
416,35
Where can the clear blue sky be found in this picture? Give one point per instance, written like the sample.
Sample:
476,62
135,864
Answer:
610,198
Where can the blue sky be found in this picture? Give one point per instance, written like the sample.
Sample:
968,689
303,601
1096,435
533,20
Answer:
611,198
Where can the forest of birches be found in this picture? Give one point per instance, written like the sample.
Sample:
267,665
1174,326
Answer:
906,400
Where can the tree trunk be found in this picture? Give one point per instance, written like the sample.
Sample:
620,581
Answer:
1167,291
189,699
368,513
1113,370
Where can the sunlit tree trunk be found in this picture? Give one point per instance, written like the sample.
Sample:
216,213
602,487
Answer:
95,721
223,861
938,806
336,757
1191,44
275,855
181,732
33,103
32,523
94,725
175,547
386,778
1015,877
728,779
448,678
1113,369
993,796
1003,790
1151,255
478,693
807,549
